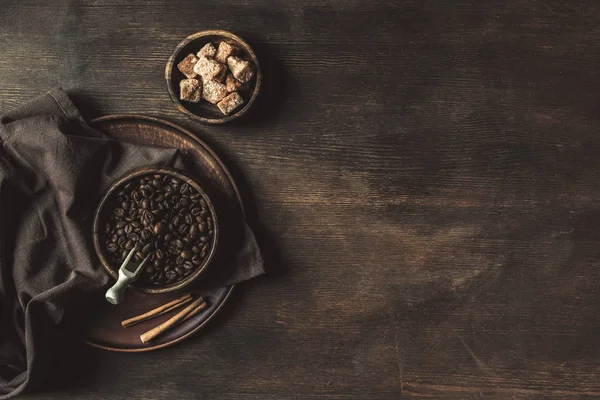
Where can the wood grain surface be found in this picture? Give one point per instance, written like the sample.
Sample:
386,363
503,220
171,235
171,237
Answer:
424,176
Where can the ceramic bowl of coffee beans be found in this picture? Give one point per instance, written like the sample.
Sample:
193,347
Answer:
165,215
213,76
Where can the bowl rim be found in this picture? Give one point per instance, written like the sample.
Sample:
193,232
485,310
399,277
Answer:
96,232
171,64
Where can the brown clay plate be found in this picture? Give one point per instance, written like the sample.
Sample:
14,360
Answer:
105,330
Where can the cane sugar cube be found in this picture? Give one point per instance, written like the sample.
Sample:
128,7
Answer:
207,51
186,66
225,50
230,103
233,85
209,68
241,69
190,90
221,76
213,92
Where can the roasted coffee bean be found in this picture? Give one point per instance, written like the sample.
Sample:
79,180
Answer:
120,224
157,263
178,244
129,245
159,228
133,236
184,201
111,247
203,254
121,241
129,228
180,260
184,212
188,265
185,188
148,248
120,232
145,234
193,231
204,239
176,221
159,254
119,213
140,255
145,204
169,236
183,229
186,254
171,275
202,227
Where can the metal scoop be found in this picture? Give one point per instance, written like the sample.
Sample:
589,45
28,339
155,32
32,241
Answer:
115,294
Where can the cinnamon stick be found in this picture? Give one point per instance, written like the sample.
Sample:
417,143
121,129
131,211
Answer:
165,308
195,311
152,333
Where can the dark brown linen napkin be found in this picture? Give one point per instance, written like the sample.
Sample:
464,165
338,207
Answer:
53,170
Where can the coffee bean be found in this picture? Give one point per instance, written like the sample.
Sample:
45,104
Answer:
129,245
204,239
140,255
169,236
202,227
193,231
120,232
133,236
148,248
145,234
185,188
183,228
111,247
159,228
179,260
171,275
119,212
188,265
186,254
178,244
121,241
159,254
120,224
203,254
128,229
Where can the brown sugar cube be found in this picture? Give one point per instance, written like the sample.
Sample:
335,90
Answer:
221,76
230,103
213,92
190,90
209,68
233,85
241,69
207,51
186,66
225,50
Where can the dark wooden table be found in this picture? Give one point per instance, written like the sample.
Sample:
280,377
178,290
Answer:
425,176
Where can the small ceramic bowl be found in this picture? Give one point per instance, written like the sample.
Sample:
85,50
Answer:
108,203
204,111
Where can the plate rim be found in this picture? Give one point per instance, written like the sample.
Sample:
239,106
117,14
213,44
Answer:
193,137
